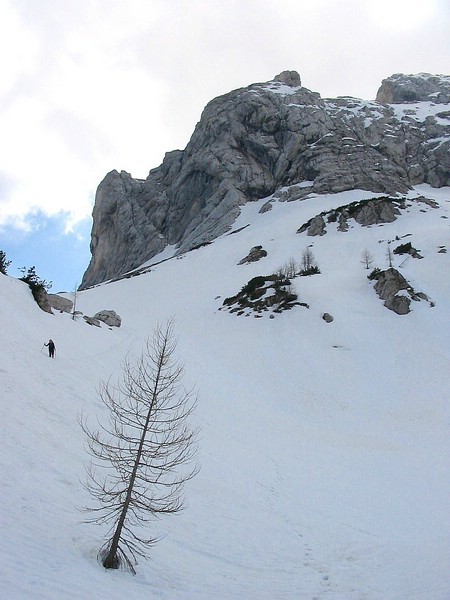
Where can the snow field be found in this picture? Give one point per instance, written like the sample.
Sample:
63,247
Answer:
324,448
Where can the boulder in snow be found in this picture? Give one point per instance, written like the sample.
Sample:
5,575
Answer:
110,317
60,303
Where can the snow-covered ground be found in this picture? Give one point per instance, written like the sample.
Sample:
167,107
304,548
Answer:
324,447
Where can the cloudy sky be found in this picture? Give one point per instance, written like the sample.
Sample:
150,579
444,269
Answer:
88,86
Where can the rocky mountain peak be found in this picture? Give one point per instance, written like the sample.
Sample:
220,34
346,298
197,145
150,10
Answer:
291,78
279,140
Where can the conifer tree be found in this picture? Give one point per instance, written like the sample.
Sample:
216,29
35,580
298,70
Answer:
4,263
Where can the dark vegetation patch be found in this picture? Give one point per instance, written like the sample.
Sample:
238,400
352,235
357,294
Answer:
262,294
314,270
37,285
407,249
374,275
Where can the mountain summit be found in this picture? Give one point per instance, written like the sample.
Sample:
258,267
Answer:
260,140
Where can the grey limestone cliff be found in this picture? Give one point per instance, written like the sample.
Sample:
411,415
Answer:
254,141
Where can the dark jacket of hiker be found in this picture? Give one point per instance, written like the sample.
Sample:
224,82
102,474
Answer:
51,348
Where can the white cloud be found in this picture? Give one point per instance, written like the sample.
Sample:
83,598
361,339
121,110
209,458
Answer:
18,48
402,15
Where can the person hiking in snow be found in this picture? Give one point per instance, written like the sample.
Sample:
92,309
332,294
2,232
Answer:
51,348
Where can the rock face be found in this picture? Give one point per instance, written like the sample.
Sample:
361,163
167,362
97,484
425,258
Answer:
316,226
291,78
262,294
257,141
399,304
60,303
42,299
365,212
91,321
407,249
110,317
396,292
255,254
388,284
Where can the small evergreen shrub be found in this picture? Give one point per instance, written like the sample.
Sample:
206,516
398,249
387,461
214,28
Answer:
403,248
4,263
375,274
314,270
36,284
261,294
253,285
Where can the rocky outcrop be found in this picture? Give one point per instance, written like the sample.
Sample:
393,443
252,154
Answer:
408,248
92,321
109,317
371,211
396,292
316,226
60,303
255,254
41,297
261,294
290,78
257,142
365,212
398,304
388,284
42,300
401,89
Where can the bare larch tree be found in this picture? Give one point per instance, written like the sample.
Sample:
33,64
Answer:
307,259
366,258
145,453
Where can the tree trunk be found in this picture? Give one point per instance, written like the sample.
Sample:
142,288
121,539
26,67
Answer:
112,560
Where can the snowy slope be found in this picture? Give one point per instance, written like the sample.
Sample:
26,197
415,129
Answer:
324,448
